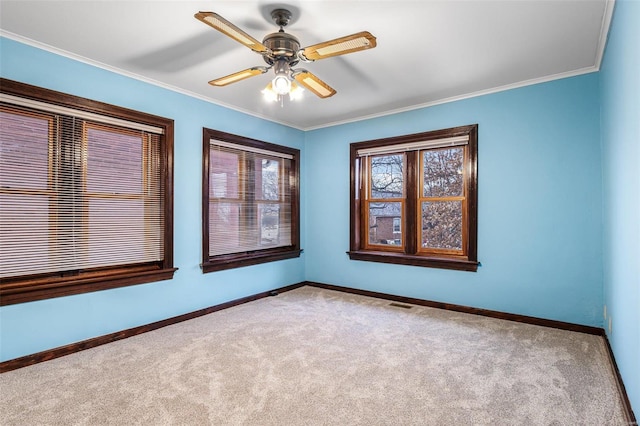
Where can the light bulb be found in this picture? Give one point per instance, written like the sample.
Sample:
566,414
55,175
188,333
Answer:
281,84
269,94
296,92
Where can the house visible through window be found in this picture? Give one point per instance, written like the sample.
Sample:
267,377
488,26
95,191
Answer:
414,199
83,196
250,201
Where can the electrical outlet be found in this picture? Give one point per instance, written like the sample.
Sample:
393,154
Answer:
605,312
609,325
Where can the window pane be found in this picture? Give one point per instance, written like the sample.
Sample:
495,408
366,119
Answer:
24,236
24,150
381,223
267,175
387,176
442,225
269,224
443,172
114,161
223,179
124,220
224,228
108,220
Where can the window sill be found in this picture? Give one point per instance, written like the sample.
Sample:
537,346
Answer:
405,259
29,290
238,260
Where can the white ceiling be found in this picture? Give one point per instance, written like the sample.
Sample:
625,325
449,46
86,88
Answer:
428,51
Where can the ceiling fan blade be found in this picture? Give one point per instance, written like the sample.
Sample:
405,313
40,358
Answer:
340,46
313,83
237,76
227,28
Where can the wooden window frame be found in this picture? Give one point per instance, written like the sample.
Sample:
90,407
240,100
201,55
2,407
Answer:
66,283
412,253
254,257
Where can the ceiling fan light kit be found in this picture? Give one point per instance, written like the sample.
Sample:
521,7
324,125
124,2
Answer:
281,83
281,51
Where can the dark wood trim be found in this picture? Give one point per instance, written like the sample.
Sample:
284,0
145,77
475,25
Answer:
472,195
412,260
49,288
355,170
209,134
47,355
53,97
294,190
465,309
206,171
626,404
167,174
238,260
410,227
418,137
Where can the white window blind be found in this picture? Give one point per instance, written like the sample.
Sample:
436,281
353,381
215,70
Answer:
72,112
76,194
414,146
224,144
249,199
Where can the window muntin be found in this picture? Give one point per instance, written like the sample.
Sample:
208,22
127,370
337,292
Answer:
250,208
84,205
430,213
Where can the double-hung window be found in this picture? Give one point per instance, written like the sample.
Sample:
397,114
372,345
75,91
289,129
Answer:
414,199
85,195
250,201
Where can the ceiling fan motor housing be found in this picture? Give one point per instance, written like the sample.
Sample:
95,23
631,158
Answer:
282,45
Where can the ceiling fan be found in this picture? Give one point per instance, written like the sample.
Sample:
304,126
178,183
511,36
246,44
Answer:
281,51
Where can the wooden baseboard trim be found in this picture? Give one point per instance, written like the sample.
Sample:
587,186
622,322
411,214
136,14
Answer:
626,404
50,354
466,309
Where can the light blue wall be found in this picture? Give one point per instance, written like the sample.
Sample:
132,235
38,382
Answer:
32,327
539,197
620,93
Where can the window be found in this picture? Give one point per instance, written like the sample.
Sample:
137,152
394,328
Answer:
250,201
85,195
414,199
396,225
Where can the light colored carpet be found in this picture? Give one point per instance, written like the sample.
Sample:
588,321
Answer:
318,357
